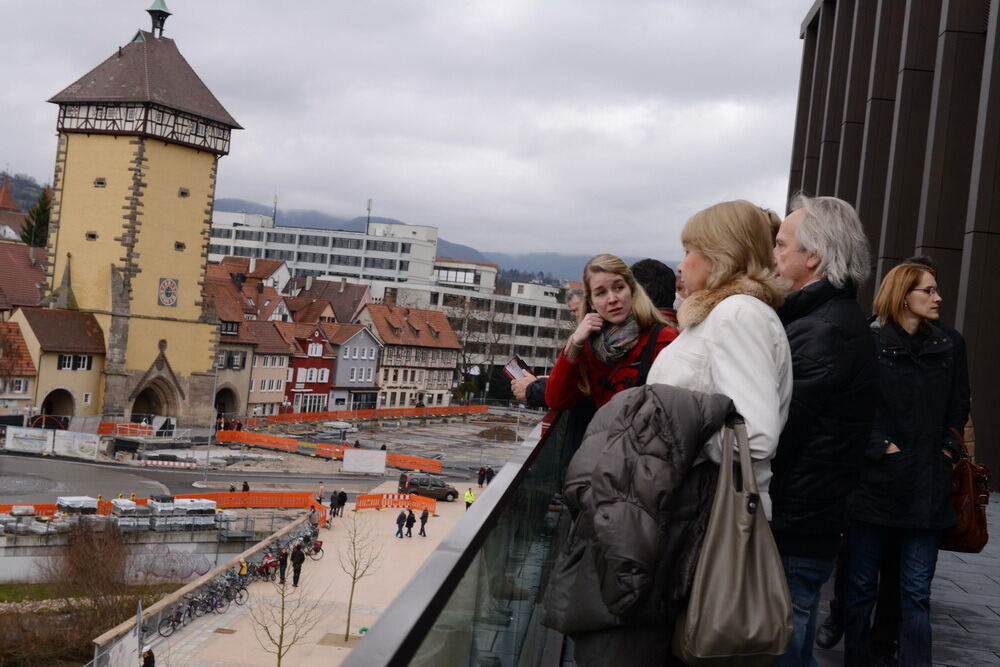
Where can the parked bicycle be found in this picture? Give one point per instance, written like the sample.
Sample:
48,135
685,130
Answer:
181,615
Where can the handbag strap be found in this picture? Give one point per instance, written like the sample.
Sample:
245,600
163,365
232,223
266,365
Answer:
736,435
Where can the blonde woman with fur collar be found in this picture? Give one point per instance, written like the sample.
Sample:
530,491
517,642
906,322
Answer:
731,340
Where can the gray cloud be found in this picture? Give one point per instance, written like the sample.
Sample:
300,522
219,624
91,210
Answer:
573,125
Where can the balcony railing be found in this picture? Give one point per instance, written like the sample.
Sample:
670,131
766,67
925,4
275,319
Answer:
477,598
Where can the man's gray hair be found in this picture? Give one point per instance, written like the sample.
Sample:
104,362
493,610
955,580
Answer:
577,292
832,231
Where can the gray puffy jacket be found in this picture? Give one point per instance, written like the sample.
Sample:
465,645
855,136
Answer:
641,510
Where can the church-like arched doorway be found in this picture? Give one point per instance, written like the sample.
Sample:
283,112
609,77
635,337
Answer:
156,399
226,402
58,402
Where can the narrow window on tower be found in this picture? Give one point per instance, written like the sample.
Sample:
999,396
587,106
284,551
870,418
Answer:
179,246
91,236
100,182
183,193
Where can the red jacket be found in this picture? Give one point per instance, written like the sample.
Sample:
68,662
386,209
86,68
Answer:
563,391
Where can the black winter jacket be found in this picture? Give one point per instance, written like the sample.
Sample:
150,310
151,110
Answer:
835,375
920,411
642,511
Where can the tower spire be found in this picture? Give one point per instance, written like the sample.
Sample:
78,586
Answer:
159,13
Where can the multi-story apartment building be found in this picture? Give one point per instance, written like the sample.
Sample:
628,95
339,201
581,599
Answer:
400,263
420,356
272,357
355,374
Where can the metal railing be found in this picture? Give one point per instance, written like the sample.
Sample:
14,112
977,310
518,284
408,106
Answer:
476,600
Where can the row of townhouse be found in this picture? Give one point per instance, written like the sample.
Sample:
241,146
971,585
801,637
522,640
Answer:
280,347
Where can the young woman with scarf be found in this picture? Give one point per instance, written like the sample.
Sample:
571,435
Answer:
610,350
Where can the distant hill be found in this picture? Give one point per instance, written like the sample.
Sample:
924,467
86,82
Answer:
25,190
567,267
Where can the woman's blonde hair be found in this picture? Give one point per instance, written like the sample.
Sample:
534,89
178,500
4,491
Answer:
645,313
737,237
890,302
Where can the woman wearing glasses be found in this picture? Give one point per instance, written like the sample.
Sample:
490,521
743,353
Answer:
904,489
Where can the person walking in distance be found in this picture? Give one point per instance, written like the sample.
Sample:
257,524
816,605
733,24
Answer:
246,486
341,501
489,475
400,522
481,476
298,557
470,498
243,571
821,248
333,504
423,522
410,520
282,564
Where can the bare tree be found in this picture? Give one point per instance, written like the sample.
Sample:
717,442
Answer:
484,330
282,621
358,559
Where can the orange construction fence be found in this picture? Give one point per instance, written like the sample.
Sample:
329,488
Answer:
224,500
321,449
403,500
383,413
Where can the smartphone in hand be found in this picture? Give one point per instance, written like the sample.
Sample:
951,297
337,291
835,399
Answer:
516,368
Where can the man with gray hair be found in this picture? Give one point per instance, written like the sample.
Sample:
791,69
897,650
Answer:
822,251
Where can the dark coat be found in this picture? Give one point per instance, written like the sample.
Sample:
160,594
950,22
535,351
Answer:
641,514
410,520
835,383
920,411
298,557
424,516
342,498
534,393
401,519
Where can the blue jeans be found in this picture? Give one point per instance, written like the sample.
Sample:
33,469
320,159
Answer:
399,530
806,577
917,560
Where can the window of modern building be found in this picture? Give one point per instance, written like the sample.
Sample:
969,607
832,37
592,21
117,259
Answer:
314,257
219,249
525,309
504,307
279,254
379,263
248,235
549,313
348,244
307,239
246,252
525,330
281,237
382,246
220,233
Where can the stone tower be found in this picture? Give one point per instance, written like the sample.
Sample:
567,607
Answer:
140,137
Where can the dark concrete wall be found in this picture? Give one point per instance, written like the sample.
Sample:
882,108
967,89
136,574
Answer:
899,114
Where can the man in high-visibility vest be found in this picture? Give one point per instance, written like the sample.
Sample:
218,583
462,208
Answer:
470,498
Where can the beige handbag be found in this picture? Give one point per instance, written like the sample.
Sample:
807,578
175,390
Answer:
740,611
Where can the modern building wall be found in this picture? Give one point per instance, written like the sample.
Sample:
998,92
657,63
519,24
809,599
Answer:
899,114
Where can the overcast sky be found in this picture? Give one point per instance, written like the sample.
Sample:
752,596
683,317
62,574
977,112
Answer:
577,126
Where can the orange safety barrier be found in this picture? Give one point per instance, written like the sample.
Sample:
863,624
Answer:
322,449
384,413
124,428
402,500
413,462
223,500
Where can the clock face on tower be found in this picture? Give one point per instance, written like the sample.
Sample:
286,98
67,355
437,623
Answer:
167,295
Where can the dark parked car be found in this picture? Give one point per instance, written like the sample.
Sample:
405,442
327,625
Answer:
422,484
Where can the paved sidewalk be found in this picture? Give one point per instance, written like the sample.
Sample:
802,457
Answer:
965,605
229,640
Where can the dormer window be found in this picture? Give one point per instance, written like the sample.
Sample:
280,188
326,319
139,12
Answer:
230,328
315,349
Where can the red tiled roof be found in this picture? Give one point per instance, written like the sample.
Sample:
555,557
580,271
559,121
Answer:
230,304
338,334
346,298
262,269
60,330
7,202
269,339
148,70
312,311
262,298
13,220
19,276
295,331
14,356
412,326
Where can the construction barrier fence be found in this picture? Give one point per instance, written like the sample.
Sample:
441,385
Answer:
294,446
223,500
401,500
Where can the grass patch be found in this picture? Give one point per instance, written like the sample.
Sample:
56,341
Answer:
22,592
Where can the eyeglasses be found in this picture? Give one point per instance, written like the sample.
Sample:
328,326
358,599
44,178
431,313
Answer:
929,291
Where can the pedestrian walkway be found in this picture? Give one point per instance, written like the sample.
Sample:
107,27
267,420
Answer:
965,605
229,640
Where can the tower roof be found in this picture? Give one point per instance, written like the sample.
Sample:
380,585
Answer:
7,202
147,70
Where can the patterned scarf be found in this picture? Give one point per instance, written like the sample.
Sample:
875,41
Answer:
614,341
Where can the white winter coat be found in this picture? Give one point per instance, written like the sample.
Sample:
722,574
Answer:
734,344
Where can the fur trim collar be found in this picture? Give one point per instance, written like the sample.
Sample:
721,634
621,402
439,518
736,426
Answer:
696,307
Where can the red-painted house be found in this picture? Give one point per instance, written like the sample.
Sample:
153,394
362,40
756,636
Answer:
310,373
